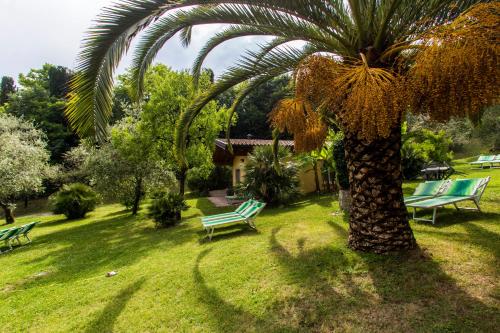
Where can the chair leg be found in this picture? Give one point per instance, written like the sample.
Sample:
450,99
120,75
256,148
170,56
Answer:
477,205
434,216
29,239
456,206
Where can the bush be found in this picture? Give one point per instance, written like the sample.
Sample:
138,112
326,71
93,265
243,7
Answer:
421,147
264,182
219,178
340,164
412,162
166,208
74,201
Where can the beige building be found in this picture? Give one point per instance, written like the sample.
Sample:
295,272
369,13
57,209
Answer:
243,147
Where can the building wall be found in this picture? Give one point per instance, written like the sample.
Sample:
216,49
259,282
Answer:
306,179
239,163
306,175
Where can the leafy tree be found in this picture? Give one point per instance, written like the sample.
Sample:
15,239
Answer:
126,168
263,181
168,93
23,162
362,63
7,87
41,98
253,114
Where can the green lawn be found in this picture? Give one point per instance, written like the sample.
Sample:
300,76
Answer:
294,274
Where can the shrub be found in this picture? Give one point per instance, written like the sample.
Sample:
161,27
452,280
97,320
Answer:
166,208
340,164
219,178
264,182
421,147
74,201
412,161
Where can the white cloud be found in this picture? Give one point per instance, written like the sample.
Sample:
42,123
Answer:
34,32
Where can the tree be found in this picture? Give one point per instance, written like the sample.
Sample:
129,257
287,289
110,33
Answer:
127,168
42,99
169,93
253,114
7,87
23,162
264,182
363,64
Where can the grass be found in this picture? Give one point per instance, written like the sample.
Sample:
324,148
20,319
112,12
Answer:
294,275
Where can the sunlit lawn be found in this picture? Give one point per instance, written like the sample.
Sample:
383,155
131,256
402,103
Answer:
294,274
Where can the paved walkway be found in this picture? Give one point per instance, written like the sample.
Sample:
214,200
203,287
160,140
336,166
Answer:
218,198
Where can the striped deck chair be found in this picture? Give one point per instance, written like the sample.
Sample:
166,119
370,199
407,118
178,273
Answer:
459,191
246,215
25,230
427,190
496,162
484,159
236,212
9,235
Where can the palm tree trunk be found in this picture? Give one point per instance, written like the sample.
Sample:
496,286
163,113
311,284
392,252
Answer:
378,216
182,181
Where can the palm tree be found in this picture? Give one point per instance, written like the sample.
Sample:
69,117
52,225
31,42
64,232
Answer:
360,64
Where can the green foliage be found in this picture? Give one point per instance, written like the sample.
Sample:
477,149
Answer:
166,208
421,147
489,127
74,201
264,182
7,87
42,99
252,115
219,178
340,163
126,168
167,94
24,160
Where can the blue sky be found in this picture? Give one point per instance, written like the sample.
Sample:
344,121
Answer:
34,32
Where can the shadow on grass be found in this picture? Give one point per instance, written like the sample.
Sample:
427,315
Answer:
223,317
99,246
448,217
333,288
108,316
231,231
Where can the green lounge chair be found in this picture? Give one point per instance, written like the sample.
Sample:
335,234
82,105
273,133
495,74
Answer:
247,215
236,212
427,190
25,230
496,162
460,190
484,159
8,236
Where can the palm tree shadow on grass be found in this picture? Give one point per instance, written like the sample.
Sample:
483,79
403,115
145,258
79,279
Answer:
107,318
415,281
224,317
412,287
97,247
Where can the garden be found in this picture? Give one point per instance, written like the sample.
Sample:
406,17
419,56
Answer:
344,176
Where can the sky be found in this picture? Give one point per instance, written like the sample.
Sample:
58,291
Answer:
35,32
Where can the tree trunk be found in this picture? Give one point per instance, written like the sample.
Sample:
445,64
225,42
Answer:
138,195
182,181
316,177
9,214
378,216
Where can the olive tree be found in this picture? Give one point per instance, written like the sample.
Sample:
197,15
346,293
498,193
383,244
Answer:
23,162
